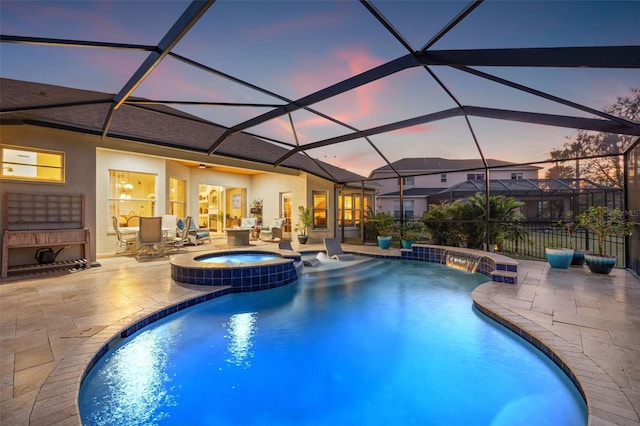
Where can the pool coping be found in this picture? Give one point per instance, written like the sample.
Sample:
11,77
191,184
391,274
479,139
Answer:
60,392
589,378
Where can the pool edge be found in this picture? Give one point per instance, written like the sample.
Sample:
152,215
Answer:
577,366
82,359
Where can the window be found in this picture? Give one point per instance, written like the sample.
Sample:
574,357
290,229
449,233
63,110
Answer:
177,197
443,177
517,175
320,212
32,164
409,180
475,176
552,209
351,204
131,195
408,209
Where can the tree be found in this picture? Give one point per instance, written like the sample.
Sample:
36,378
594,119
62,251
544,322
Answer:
464,221
603,164
560,172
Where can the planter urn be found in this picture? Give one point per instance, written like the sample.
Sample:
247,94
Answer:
600,264
384,242
407,244
559,258
578,258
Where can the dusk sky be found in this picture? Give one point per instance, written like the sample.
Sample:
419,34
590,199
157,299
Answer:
294,48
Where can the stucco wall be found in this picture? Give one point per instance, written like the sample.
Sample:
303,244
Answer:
433,181
80,166
117,160
88,159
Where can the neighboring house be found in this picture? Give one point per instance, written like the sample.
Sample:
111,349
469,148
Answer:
430,181
434,181
144,166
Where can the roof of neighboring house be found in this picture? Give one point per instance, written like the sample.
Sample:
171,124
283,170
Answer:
437,164
519,187
85,111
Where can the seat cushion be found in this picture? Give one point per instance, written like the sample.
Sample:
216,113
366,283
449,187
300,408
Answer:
248,222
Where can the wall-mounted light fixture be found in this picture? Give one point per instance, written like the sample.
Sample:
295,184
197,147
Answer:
202,166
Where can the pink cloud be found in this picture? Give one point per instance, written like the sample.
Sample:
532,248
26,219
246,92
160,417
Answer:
342,64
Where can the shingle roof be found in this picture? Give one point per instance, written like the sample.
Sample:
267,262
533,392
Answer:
86,111
520,187
435,164
527,186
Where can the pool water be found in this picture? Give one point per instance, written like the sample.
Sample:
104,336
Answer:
383,342
238,258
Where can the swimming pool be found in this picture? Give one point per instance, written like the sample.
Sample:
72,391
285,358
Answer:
237,257
381,342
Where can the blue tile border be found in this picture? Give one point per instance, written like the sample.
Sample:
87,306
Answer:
241,277
434,254
150,319
537,343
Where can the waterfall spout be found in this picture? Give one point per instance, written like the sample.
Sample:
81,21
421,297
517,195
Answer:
459,260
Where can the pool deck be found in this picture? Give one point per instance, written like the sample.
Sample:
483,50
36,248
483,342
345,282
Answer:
51,327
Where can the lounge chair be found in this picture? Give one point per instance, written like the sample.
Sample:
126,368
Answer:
334,250
286,245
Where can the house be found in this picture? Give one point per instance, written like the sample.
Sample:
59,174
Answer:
152,162
433,181
430,181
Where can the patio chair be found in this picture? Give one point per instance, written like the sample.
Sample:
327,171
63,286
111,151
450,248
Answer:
196,236
126,242
275,230
150,238
334,250
177,243
248,223
133,221
169,221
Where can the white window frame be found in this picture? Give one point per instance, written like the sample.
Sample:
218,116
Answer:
23,163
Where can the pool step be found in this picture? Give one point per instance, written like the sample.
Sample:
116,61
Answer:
502,276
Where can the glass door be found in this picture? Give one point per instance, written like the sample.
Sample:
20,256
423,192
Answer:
211,208
286,204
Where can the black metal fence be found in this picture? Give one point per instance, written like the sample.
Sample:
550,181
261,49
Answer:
539,235
535,237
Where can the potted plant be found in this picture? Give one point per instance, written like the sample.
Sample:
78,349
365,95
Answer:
605,223
305,220
572,227
384,226
559,257
410,232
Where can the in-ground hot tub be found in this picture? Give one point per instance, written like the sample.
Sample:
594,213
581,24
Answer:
242,270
